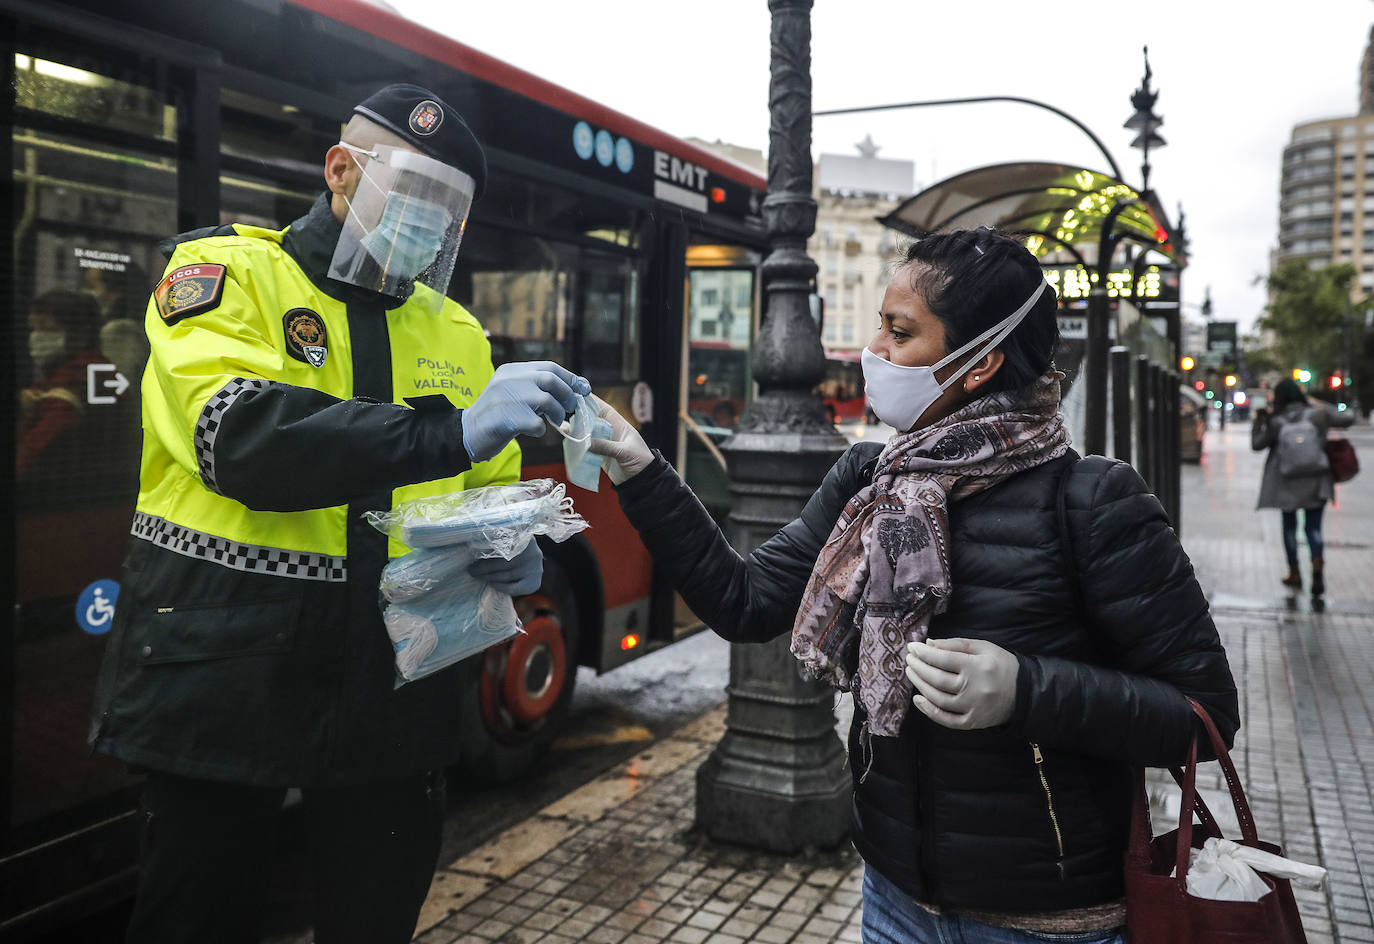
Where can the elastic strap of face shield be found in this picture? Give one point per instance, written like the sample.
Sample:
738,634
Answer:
355,150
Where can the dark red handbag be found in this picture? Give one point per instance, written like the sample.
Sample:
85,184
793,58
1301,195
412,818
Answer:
1159,909
1345,465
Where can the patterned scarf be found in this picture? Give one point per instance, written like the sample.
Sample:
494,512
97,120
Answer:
884,571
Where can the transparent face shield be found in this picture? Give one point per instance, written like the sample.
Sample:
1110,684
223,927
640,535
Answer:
405,220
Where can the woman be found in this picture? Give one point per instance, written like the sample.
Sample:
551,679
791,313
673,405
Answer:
1296,472
932,571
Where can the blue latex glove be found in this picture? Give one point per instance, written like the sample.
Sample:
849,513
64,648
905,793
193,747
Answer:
515,402
517,577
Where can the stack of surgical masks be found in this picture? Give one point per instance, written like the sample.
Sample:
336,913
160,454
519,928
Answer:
435,612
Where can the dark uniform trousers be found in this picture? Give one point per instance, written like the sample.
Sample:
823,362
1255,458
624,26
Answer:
207,850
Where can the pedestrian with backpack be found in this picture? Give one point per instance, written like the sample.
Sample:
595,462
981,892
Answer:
1297,473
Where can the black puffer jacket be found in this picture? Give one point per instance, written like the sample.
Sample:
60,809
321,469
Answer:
1031,815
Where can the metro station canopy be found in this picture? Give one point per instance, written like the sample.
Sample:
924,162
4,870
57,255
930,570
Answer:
1059,210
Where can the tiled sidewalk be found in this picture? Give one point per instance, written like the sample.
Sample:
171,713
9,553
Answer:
617,862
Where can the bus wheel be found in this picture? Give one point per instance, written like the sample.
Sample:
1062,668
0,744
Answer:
523,687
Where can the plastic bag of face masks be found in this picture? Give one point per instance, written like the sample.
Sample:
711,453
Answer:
424,570
433,630
494,520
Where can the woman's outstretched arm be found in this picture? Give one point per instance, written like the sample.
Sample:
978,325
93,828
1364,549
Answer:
749,599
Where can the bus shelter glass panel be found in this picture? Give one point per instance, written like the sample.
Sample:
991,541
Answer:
88,216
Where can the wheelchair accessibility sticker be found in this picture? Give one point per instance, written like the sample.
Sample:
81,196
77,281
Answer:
96,606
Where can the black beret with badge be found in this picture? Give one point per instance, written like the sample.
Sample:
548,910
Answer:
430,125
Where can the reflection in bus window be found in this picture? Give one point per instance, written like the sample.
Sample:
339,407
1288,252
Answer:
609,305
520,288
271,153
88,216
91,98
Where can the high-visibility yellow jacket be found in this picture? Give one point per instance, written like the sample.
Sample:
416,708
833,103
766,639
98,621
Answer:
278,407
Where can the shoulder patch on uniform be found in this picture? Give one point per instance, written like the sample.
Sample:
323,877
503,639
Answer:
306,338
190,290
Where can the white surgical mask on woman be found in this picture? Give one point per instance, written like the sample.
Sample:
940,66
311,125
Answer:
898,395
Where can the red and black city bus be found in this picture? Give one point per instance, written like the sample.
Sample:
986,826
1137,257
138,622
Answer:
601,243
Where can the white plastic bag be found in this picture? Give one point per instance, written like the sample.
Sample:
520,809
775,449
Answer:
497,520
1223,870
434,611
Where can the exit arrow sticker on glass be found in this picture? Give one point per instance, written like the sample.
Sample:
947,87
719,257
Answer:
119,383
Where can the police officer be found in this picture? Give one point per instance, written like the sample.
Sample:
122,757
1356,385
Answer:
298,379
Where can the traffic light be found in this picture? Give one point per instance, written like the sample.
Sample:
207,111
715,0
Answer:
1230,380
1302,375
1337,381
1186,363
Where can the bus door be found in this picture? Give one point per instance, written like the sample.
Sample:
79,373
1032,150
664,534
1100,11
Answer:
716,384
715,380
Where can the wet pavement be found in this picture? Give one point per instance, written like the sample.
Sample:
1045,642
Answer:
617,860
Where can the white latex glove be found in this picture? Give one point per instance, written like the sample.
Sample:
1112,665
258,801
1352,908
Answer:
963,683
625,452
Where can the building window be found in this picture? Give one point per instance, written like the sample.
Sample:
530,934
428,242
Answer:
710,296
847,331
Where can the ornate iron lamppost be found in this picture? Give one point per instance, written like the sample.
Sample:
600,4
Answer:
778,780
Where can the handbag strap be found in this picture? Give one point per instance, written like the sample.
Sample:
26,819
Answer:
1243,815
1204,813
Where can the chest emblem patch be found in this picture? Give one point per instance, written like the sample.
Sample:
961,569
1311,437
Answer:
189,291
306,338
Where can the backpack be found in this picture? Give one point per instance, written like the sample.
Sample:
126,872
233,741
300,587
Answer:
1301,447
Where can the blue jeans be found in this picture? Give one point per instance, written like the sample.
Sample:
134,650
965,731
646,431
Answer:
890,916
1311,523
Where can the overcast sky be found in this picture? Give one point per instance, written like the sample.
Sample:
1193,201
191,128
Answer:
1233,79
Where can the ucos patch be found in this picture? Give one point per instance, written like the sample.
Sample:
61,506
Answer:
189,291
306,338
426,117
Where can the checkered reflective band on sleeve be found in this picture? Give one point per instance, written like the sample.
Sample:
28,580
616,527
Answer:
207,425
273,561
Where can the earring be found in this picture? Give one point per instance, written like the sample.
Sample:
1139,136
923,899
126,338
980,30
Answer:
975,378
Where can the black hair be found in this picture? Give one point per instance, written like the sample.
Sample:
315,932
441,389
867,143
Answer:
1287,392
973,278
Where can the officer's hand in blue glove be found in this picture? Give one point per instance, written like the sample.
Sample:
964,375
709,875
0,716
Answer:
515,402
516,577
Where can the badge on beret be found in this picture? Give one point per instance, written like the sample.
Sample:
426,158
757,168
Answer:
189,291
426,117
306,339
